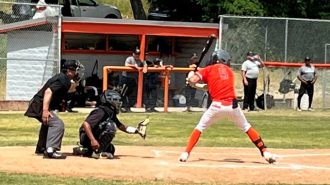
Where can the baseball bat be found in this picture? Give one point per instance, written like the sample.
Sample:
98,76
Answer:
206,48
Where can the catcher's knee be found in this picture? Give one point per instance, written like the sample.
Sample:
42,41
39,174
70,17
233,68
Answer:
106,136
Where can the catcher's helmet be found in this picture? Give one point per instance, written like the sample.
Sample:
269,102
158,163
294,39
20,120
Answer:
221,56
111,99
76,66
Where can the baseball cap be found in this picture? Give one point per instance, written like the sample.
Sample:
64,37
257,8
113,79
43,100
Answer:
308,58
193,56
137,51
250,53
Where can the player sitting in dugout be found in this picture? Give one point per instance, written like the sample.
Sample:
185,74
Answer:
100,126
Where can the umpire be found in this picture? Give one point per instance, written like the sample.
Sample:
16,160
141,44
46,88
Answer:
43,104
307,76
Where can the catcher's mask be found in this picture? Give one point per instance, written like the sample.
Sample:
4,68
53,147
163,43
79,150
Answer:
111,99
221,56
76,66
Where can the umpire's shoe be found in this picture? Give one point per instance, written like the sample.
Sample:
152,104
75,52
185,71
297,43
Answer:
54,155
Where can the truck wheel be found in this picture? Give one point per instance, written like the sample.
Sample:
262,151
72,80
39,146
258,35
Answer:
111,16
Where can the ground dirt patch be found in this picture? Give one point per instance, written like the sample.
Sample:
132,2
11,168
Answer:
213,165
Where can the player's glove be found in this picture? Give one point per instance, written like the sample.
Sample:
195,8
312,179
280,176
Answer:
142,128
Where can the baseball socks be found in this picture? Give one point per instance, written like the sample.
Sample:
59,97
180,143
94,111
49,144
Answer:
194,137
256,139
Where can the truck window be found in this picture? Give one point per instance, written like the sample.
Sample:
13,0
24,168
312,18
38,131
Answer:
86,3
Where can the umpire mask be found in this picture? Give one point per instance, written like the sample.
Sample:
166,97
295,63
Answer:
76,66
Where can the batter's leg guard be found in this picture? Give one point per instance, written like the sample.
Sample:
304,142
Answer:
256,139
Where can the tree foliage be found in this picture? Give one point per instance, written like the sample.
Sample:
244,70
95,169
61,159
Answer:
209,10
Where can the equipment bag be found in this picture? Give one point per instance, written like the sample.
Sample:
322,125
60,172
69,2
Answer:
261,102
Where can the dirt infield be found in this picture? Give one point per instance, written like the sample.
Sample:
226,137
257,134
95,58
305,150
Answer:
213,165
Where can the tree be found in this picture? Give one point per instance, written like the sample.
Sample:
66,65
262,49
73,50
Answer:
138,10
209,10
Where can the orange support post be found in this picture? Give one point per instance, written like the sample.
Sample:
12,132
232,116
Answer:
282,64
166,91
139,90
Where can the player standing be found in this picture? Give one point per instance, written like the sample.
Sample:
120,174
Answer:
219,79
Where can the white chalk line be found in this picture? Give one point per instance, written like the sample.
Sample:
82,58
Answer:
158,154
279,165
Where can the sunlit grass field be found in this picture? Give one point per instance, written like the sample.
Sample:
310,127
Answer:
278,128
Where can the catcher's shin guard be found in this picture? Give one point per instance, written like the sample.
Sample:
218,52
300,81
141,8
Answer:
105,141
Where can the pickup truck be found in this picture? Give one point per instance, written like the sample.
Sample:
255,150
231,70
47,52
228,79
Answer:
73,8
89,8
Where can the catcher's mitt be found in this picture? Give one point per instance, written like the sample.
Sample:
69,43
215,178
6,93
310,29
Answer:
142,128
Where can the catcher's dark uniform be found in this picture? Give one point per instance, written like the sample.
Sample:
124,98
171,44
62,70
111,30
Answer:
50,135
103,122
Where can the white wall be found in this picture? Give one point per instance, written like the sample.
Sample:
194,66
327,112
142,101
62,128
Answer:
30,63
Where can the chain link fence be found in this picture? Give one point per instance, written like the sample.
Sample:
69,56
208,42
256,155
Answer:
284,40
29,49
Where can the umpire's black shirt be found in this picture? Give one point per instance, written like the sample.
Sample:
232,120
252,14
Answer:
59,84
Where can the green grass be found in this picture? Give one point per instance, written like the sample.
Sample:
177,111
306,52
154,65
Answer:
278,128
19,179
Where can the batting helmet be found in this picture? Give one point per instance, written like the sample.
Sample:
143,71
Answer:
221,56
111,99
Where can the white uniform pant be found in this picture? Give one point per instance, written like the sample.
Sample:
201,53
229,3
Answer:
217,112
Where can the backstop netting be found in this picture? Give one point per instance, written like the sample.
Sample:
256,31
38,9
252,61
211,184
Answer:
282,40
29,50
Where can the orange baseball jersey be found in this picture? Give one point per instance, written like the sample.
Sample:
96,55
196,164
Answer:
220,81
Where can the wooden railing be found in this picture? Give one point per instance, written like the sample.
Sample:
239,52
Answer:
166,70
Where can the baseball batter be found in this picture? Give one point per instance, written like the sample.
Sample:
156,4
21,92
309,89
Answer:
219,80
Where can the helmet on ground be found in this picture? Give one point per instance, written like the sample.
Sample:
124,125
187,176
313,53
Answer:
221,56
111,99
74,65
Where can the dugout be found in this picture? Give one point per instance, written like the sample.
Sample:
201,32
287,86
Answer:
111,41
35,48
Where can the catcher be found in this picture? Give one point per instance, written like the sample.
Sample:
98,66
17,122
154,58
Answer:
99,128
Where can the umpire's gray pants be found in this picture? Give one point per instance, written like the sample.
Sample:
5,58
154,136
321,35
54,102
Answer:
51,135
